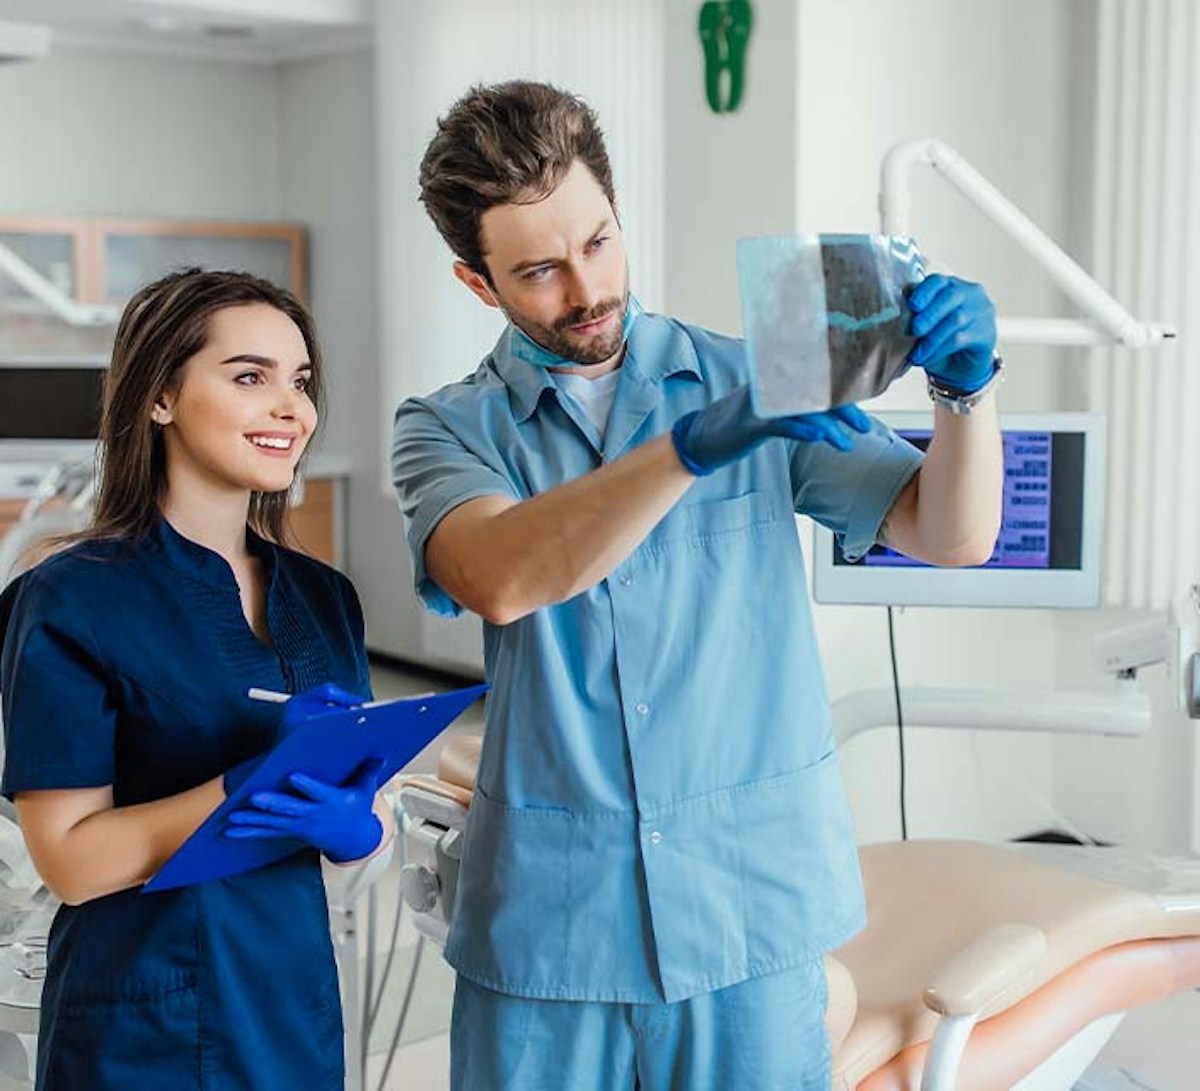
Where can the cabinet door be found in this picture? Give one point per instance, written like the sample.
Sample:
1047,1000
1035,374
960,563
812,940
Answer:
313,523
30,333
133,253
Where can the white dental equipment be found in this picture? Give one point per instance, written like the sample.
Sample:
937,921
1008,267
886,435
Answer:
51,296
1110,321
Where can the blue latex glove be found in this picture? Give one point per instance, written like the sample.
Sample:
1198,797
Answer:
312,702
296,710
955,326
339,821
723,432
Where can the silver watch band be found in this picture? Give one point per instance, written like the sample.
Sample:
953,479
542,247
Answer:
958,402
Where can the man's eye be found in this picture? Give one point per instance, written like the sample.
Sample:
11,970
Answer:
598,242
534,275
300,382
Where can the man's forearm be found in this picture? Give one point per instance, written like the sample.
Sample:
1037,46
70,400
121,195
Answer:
505,560
960,489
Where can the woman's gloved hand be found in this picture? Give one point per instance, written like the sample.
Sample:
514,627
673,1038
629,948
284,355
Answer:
313,702
298,708
339,821
723,432
954,323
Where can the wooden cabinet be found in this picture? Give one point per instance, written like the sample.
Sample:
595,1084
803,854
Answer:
104,261
316,525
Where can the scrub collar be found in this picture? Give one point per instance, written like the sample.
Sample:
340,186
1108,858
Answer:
524,347
202,563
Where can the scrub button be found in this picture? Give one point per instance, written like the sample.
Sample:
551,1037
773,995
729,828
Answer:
625,579
655,837
641,708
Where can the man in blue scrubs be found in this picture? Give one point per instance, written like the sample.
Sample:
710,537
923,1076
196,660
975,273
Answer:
659,852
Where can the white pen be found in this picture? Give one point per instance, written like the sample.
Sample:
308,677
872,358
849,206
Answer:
277,698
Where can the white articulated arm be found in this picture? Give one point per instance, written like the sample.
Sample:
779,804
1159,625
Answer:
54,298
1110,322
1124,710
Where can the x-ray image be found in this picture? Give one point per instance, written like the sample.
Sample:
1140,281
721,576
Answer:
825,317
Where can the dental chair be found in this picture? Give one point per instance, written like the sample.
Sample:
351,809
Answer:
982,967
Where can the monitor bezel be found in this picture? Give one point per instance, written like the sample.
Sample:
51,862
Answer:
982,587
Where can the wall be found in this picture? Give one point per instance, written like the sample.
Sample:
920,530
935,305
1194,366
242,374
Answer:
831,86
105,133
432,330
328,156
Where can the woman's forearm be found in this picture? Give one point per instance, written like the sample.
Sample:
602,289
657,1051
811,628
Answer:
84,847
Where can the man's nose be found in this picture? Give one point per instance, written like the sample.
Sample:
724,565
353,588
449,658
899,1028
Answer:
583,290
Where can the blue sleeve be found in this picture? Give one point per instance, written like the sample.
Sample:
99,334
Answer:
851,492
434,472
59,720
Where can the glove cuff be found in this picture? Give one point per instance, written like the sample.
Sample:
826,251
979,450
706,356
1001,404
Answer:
679,434
359,852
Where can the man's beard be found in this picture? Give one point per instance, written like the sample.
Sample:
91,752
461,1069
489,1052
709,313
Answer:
584,350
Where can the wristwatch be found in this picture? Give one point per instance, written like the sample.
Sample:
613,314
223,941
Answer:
956,400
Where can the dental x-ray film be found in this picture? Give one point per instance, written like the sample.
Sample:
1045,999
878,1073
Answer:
825,317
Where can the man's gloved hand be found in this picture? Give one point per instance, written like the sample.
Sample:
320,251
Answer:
339,822
955,326
723,432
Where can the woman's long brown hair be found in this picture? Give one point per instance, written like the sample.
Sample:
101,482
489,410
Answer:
162,327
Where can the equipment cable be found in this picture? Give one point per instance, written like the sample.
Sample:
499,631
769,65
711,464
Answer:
899,727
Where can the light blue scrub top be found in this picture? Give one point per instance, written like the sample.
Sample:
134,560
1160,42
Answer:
659,811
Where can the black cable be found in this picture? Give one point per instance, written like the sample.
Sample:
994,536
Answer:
899,727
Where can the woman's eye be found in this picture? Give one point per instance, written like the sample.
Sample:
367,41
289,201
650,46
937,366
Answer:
300,382
249,378
596,243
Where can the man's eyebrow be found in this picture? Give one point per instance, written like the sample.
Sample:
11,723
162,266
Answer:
535,263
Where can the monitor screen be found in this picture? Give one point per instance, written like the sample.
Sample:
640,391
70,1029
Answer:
1047,551
50,403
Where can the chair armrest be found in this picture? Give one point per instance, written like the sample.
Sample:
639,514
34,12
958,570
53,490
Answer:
985,969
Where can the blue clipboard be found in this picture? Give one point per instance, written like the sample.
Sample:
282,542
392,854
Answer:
329,746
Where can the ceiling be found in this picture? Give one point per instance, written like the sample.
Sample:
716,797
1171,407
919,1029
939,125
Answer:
262,31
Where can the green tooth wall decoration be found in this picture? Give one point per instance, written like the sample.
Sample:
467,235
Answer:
724,31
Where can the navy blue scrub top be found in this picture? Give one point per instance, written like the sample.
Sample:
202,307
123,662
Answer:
128,664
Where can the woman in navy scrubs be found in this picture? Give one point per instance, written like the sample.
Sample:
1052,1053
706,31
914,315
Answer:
126,661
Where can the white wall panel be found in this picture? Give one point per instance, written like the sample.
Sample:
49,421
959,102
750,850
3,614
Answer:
432,330
1146,224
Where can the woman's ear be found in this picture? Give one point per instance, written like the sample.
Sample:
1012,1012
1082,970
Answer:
160,412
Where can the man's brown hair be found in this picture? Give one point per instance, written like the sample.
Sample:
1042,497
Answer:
508,143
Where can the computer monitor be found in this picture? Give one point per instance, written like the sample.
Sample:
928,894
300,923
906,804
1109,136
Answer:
1048,550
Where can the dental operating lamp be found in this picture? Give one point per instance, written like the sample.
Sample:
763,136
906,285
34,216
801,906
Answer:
1109,321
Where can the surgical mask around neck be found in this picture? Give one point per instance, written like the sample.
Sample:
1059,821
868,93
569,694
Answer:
525,348
826,317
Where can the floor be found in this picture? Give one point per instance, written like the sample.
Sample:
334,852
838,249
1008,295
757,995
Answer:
1155,1049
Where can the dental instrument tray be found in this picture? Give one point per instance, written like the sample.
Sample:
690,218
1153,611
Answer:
329,746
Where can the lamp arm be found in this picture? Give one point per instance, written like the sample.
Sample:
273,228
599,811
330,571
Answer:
54,298
1078,285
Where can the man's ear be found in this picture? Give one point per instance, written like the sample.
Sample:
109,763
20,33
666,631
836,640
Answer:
477,283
